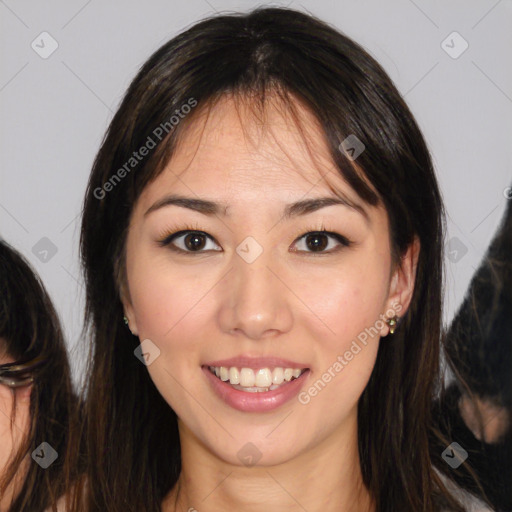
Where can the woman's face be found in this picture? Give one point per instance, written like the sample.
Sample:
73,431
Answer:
12,435
253,294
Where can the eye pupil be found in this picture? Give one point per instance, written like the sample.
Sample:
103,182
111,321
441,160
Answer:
195,237
317,245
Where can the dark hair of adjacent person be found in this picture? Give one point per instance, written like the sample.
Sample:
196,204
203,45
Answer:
479,345
30,329
247,57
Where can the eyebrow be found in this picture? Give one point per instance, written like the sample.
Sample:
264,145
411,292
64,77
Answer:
296,209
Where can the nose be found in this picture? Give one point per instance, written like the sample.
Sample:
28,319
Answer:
255,301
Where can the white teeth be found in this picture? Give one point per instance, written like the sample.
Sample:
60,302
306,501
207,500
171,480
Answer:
247,377
234,375
255,381
278,376
263,378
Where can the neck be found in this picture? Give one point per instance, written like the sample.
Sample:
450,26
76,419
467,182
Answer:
324,478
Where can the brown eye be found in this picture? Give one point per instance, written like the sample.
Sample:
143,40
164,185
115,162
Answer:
194,241
319,241
188,241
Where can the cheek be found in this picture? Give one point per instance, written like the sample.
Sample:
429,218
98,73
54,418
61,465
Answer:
349,302
349,299
167,299
169,312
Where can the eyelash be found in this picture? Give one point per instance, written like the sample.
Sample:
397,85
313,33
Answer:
166,239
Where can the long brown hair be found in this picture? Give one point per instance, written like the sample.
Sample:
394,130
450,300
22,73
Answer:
131,432
30,328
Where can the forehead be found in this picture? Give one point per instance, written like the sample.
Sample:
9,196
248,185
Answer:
236,148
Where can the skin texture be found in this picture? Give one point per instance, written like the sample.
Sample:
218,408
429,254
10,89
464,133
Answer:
12,436
300,305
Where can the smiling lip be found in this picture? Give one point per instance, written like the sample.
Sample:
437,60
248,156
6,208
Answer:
261,401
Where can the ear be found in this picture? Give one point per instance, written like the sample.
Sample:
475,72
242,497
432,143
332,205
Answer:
129,312
401,286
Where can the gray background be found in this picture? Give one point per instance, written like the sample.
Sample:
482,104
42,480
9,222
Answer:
55,110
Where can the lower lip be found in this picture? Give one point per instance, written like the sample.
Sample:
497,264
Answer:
255,402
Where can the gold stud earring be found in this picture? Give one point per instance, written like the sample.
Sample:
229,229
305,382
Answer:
392,322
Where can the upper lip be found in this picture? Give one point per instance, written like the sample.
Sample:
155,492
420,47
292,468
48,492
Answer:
256,362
